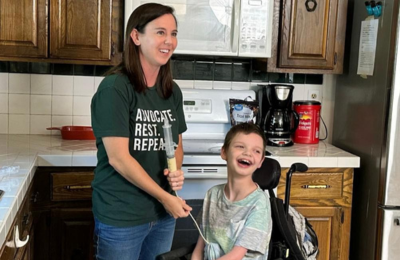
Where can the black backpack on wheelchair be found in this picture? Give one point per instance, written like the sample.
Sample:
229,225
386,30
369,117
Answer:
284,242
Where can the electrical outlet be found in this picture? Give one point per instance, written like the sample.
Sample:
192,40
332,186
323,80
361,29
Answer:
314,94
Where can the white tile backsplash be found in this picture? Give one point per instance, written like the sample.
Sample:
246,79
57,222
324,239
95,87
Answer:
203,84
185,83
81,106
63,85
3,82
19,104
19,83
61,105
39,123
3,103
3,123
31,102
18,124
59,121
41,84
83,86
222,85
240,85
81,120
40,104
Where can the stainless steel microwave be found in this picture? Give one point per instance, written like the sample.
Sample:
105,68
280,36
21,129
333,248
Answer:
220,27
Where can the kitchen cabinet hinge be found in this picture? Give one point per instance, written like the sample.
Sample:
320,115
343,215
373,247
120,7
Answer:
335,59
342,218
112,49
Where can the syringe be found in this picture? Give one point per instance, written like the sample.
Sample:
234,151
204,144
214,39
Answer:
170,151
169,146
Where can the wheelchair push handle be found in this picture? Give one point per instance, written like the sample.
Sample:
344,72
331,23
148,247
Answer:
296,167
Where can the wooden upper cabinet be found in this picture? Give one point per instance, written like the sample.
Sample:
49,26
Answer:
80,29
309,36
67,31
23,28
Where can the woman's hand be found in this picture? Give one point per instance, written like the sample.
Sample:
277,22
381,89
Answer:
176,206
175,179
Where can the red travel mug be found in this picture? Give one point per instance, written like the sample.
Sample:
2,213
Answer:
309,113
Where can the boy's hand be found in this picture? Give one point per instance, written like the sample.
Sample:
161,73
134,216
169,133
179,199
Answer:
175,179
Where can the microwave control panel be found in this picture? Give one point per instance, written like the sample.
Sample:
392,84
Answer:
255,28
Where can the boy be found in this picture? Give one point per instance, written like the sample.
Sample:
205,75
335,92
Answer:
236,220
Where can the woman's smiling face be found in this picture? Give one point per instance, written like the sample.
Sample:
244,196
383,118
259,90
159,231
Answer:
157,42
245,153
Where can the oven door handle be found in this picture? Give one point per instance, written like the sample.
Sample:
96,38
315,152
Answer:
205,172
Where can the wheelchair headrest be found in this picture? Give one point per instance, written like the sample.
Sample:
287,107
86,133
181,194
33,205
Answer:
268,175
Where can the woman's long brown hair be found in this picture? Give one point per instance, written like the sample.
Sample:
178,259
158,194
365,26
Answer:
130,64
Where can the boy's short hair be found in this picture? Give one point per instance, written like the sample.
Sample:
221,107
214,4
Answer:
244,128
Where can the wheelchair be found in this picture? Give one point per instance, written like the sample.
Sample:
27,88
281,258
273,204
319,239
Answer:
284,241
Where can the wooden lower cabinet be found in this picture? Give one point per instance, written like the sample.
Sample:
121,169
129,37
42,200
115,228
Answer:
73,231
324,196
57,215
327,224
63,218
24,221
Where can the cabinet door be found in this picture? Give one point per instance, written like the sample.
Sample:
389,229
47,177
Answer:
326,222
72,234
23,28
80,29
312,34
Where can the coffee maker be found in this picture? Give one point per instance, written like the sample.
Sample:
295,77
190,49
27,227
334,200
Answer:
276,116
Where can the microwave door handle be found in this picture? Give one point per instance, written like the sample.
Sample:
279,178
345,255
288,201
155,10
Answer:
235,26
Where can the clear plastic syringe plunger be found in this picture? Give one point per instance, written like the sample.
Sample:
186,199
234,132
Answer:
169,145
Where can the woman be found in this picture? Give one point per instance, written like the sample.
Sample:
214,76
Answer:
132,203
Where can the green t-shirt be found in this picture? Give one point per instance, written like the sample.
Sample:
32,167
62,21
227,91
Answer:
118,110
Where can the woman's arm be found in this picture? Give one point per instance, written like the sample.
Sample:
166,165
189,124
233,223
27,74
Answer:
179,153
198,252
120,158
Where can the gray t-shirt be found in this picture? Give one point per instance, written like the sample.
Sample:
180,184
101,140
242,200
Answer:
246,223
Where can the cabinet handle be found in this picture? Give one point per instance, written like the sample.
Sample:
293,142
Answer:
34,197
397,222
326,186
311,5
16,242
78,187
25,219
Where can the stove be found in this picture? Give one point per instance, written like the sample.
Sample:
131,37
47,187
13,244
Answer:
208,120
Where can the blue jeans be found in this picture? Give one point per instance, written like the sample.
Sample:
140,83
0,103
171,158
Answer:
143,242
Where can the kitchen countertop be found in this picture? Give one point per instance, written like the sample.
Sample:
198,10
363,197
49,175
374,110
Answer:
20,155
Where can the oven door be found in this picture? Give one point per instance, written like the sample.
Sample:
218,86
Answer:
199,179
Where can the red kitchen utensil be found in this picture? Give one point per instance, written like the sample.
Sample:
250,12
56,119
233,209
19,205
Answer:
75,132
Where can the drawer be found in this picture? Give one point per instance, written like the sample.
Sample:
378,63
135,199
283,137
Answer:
313,185
70,186
9,249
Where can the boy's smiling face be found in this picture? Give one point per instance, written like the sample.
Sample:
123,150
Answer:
245,153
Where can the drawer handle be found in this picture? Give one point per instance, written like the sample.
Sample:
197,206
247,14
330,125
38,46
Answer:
316,186
78,187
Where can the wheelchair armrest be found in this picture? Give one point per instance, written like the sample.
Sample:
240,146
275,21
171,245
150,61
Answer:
178,253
